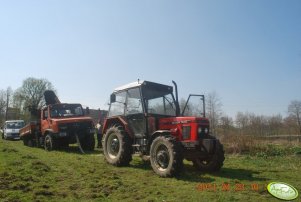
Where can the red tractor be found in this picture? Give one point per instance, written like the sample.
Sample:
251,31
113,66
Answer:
144,118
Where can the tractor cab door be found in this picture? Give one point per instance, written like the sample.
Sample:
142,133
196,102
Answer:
134,113
137,124
195,106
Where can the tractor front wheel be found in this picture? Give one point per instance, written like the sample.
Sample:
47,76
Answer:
166,157
213,163
117,146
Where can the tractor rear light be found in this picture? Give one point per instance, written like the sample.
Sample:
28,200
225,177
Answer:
186,132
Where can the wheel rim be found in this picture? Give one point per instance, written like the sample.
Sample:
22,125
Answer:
48,144
113,146
162,157
203,162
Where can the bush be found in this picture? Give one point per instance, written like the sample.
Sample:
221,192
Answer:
252,145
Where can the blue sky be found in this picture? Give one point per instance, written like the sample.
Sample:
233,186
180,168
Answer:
248,52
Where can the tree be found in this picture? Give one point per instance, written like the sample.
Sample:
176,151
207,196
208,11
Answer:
242,121
275,123
226,124
213,110
31,93
2,104
294,110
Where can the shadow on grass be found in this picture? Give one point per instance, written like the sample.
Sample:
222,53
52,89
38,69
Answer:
239,174
190,173
75,150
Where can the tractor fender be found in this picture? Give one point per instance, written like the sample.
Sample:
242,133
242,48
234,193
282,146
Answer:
117,121
156,134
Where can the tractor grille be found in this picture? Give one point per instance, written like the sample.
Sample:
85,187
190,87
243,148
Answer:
203,131
186,132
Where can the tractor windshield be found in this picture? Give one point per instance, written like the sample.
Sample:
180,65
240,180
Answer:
159,102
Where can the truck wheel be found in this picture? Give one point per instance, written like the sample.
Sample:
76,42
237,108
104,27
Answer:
25,141
49,143
30,143
166,156
88,143
214,163
117,146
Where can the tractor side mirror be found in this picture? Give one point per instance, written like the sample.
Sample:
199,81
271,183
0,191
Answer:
113,98
87,111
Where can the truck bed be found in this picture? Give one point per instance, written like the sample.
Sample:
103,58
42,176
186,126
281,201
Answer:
29,129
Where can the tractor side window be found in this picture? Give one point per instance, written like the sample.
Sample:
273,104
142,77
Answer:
134,105
117,107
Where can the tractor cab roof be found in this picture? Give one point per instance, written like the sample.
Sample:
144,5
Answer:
146,85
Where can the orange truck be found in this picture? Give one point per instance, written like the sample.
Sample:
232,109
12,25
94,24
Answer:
58,125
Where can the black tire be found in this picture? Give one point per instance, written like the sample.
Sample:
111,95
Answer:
30,143
117,146
88,143
50,143
214,163
25,141
166,156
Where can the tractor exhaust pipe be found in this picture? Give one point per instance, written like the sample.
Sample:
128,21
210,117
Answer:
177,99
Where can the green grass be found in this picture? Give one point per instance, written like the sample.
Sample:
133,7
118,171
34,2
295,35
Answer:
32,174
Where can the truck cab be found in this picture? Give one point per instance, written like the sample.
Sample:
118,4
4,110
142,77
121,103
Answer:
58,125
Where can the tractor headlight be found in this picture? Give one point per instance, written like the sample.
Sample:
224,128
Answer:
202,131
186,132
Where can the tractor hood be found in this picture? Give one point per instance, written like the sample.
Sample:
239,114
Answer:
182,120
51,98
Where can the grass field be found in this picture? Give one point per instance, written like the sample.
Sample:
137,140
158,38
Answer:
32,174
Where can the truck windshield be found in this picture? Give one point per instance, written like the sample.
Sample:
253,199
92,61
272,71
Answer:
66,110
14,125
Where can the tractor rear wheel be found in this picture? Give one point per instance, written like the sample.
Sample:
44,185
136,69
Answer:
166,156
214,163
117,146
